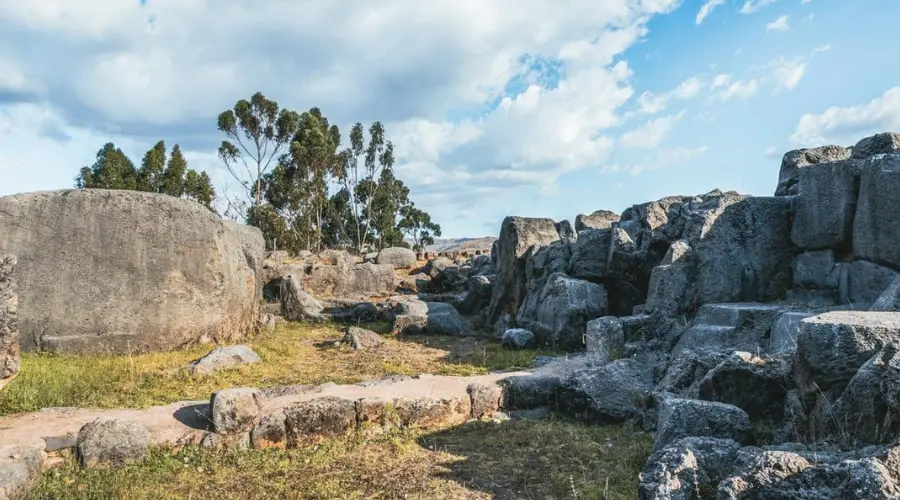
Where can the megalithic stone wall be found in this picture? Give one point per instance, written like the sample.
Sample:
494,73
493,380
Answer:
9,330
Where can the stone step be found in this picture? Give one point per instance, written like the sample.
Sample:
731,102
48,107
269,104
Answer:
736,313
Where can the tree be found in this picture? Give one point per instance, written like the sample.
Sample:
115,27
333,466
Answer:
198,187
389,198
418,225
111,170
173,177
257,133
153,166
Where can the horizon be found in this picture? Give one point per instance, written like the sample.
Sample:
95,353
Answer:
495,109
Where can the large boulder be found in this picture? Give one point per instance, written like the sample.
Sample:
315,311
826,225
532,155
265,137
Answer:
608,393
825,205
559,311
296,304
757,385
9,330
589,254
795,161
400,258
680,418
350,280
875,229
883,143
686,468
433,318
114,271
517,235
600,219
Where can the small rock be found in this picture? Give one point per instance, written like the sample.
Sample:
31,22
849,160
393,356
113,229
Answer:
487,399
224,357
112,441
518,338
235,410
360,338
270,432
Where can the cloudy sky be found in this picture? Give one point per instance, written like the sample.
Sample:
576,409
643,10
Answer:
496,107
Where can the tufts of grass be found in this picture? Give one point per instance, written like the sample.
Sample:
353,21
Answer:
547,459
291,354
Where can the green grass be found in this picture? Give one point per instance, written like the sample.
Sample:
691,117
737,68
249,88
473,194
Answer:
548,459
291,354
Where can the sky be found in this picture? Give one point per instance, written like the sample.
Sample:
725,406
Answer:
495,107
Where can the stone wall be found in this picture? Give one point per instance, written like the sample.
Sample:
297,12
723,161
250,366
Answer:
9,331
103,271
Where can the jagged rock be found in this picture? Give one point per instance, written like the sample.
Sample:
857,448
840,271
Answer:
312,421
518,338
517,235
794,161
608,393
481,266
816,270
558,313
754,384
478,294
670,282
685,372
832,346
589,255
863,283
436,266
296,304
566,232
687,468
173,273
825,205
729,327
111,441
680,418
224,358
449,280
542,262
360,338
785,331
400,258
889,300
600,219
875,232
884,143
235,410
605,338
434,318
9,329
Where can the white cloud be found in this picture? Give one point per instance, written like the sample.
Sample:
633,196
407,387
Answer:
666,158
740,89
651,103
780,24
818,50
787,73
751,6
707,8
771,153
846,125
651,134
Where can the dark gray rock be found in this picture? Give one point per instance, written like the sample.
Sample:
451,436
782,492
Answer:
687,369
826,205
517,235
400,258
863,283
481,266
173,273
785,331
526,392
669,291
686,468
600,219
9,327
112,441
605,339
757,385
434,318
889,300
478,294
875,231
360,338
794,161
680,418
559,312
518,338
816,270
608,393
833,346
224,358
296,304
566,232
728,327
883,143
235,410
589,255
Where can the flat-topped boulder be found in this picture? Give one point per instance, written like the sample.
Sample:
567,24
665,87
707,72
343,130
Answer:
109,271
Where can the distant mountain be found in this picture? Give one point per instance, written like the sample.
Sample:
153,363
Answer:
461,244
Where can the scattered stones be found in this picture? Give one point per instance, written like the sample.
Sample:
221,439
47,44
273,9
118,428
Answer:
224,358
235,410
112,442
518,338
360,338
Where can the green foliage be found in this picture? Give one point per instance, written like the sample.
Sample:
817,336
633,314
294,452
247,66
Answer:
114,170
417,225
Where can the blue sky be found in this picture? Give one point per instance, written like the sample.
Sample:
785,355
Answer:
502,107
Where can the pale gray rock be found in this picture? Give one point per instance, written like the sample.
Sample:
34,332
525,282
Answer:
559,312
685,468
600,219
10,358
566,232
235,410
794,161
173,273
518,338
222,358
112,442
400,258
605,339
360,338
434,318
296,304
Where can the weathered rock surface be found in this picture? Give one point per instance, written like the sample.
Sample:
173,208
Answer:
400,258
172,272
589,255
222,358
235,410
9,328
346,279
296,304
605,339
478,294
757,385
20,467
434,318
517,235
686,468
883,143
608,393
600,219
794,162
518,338
360,338
112,442
680,418
875,231
741,326
558,313
826,205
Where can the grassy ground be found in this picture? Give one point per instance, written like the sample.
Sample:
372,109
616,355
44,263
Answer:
483,460
291,353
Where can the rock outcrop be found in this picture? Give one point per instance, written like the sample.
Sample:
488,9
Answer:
103,271
9,330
